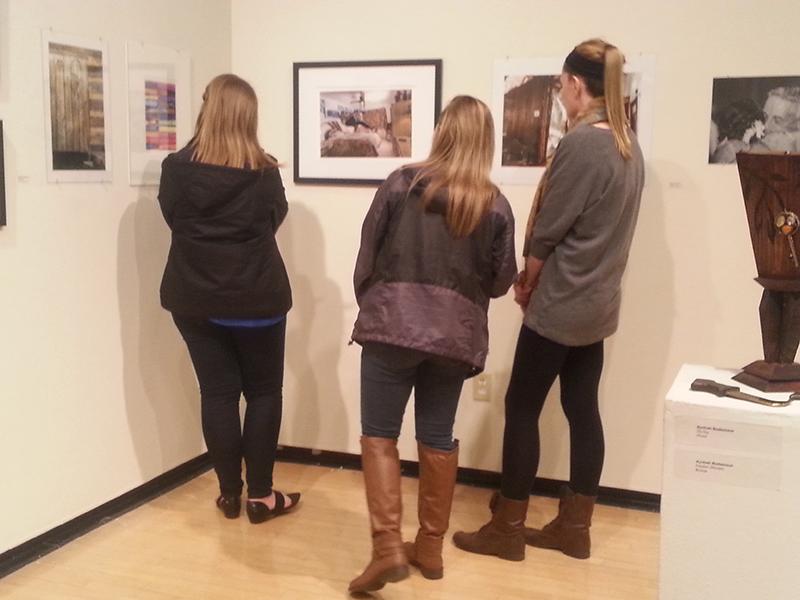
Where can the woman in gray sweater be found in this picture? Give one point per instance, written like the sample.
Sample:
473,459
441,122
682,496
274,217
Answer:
576,249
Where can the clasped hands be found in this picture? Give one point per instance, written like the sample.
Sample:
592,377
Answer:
523,290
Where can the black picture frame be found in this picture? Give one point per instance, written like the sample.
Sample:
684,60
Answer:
3,217
429,69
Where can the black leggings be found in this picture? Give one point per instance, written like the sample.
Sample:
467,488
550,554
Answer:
230,361
537,362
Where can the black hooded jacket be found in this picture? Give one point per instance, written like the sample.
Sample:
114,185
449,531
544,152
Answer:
224,261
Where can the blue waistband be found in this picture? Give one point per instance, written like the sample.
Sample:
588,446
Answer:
248,322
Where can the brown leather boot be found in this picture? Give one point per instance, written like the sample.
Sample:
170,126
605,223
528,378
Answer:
569,531
503,535
381,465
437,480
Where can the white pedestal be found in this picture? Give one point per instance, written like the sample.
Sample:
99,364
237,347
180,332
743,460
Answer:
730,504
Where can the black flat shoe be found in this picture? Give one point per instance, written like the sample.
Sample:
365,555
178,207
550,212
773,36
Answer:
258,512
230,506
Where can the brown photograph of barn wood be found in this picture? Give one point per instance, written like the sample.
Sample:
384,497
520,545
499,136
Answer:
77,113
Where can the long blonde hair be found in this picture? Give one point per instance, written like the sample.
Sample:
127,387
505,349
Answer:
460,162
607,94
227,127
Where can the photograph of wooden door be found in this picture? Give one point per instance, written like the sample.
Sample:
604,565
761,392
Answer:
76,107
527,105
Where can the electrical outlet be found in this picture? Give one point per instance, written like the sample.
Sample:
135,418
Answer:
482,388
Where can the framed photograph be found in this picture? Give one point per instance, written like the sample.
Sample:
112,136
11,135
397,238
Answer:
530,121
356,122
159,108
3,218
753,113
77,133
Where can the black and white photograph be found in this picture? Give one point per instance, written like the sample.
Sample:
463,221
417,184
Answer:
356,122
368,123
753,114
530,120
76,106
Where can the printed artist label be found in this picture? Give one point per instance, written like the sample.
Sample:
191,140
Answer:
729,469
713,434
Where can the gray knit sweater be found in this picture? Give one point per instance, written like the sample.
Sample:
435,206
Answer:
583,232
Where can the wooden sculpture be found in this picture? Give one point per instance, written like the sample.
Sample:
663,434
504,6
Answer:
771,189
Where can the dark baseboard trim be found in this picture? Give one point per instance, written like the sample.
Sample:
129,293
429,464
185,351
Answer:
477,477
34,549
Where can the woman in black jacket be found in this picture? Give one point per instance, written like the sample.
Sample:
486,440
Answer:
227,289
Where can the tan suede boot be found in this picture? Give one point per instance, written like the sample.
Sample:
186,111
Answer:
437,480
381,465
569,531
503,535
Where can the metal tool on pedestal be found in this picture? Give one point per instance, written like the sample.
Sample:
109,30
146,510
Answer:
729,391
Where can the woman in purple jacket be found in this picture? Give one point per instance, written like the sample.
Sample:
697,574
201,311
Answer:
436,245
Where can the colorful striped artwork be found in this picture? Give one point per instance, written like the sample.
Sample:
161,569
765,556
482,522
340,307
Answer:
159,101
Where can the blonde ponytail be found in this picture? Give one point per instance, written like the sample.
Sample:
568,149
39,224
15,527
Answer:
614,81
605,82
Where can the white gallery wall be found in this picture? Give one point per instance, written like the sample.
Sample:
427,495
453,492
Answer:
689,294
97,394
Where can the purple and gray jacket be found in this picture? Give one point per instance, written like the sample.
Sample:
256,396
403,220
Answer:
418,286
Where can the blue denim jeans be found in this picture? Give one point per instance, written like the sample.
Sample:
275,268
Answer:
389,373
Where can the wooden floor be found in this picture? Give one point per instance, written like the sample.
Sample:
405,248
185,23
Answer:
180,547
